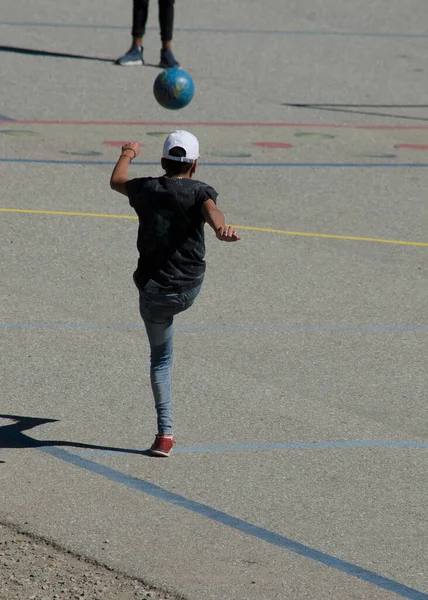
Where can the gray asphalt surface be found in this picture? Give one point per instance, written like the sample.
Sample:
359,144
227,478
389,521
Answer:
300,372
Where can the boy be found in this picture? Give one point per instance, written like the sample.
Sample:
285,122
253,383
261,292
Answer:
172,211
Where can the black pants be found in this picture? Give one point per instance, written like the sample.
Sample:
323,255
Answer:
166,18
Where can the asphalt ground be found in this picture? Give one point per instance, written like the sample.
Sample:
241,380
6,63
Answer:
300,372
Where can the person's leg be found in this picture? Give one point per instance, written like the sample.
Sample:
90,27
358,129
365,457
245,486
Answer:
134,56
157,311
140,12
166,24
160,337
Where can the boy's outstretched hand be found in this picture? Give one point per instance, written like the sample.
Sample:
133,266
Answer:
226,233
215,218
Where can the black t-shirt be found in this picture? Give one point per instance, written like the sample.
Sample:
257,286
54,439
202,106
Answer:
171,229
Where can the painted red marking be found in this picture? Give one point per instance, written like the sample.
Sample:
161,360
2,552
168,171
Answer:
272,145
117,143
219,124
412,146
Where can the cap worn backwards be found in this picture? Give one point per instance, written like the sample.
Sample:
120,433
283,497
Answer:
185,140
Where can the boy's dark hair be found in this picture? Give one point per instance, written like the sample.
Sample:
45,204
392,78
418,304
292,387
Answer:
174,167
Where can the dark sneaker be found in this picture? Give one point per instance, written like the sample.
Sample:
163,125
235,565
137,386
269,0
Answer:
167,60
134,56
162,445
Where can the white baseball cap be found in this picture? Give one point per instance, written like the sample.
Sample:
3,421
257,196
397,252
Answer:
185,140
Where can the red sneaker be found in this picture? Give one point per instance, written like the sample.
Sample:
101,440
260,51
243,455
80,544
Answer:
162,445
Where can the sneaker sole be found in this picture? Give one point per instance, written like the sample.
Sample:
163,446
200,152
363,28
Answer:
131,64
160,453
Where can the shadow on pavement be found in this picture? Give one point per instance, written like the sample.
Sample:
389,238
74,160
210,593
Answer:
33,52
12,436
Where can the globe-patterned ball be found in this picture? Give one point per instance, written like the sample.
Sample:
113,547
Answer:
173,88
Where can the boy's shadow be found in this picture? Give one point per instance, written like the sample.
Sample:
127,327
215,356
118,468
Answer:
12,436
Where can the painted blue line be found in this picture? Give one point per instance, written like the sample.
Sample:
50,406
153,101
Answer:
70,326
280,327
276,446
245,328
238,524
69,162
226,30
221,164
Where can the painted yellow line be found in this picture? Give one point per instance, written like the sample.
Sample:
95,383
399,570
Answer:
249,228
332,236
66,213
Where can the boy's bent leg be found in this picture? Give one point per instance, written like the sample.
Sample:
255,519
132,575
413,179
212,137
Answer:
160,336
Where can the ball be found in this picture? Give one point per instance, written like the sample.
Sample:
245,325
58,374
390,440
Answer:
173,88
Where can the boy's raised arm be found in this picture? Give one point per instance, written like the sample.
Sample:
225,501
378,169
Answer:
119,177
215,218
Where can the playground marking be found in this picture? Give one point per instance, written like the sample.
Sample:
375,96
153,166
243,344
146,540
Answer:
319,165
243,227
235,523
290,328
412,146
11,121
275,446
225,30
